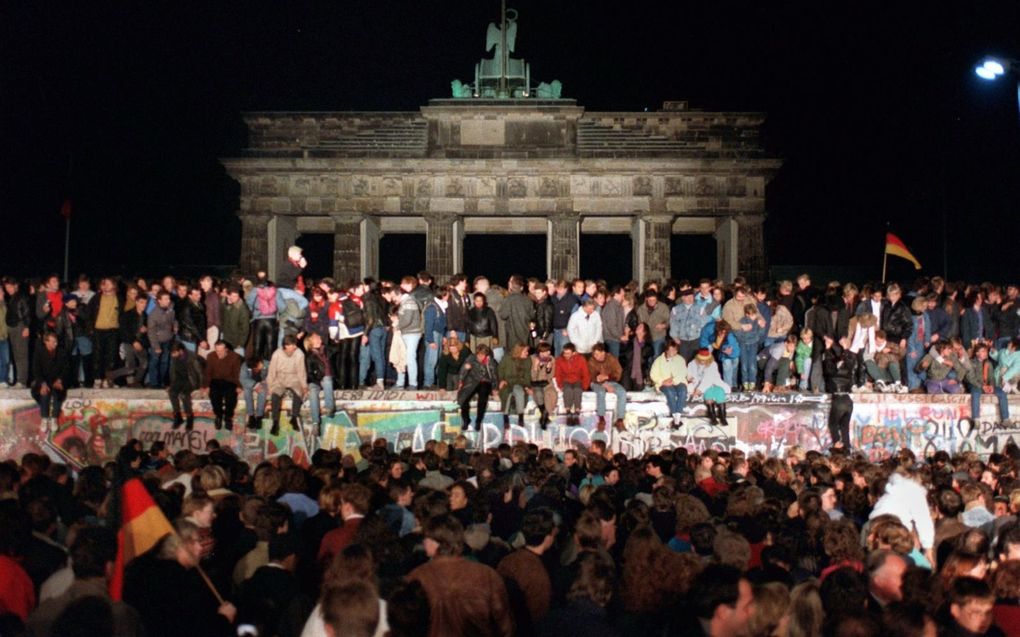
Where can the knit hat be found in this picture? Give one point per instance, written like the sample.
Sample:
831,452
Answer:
69,297
294,253
704,355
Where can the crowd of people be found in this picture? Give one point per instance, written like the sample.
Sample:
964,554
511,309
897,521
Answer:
541,341
518,540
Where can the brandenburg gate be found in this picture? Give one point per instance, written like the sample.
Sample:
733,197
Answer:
504,156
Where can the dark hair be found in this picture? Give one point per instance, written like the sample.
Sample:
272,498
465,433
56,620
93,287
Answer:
715,586
964,589
93,548
281,546
537,525
446,531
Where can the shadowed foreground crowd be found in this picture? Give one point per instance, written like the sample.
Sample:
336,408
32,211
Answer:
519,541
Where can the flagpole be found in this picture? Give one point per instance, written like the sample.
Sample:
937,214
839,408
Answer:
67,243
885,258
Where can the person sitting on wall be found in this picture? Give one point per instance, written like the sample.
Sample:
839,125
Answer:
704,381
50,367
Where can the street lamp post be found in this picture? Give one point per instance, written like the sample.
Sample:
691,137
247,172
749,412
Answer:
993,68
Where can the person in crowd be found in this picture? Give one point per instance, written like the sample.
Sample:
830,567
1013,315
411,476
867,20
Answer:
319,375
287,373
478,377
50,367
980,380
464,596
134,345
185,378
584,329
517,312
455,354
572,379
265,305
685,322
605,374
749,333
410,324
704,382
191,321
942,369
482,324
669,375
255,388
347,329
161,327
223,380
780,368
636,358
656,316
18,319
74,330
515,383
235,319
104,310
543,375
435,329
803,357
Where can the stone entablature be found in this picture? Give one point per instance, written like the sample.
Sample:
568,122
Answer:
459,166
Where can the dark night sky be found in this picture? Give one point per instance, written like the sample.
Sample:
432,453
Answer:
873,106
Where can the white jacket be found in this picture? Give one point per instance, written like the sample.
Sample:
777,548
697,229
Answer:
908,501
584,330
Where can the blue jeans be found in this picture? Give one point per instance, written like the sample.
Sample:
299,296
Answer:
676,398
749,363
657,347
914,355
613,347
159,365
374,354
248,386
559,340
313,398
729,371
975,404
600,398
5,361
411,343
805,376
432,352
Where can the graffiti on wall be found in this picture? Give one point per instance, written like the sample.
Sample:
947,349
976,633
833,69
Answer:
884,423
94,425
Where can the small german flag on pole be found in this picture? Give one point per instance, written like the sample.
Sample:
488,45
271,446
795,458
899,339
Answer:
144,525
897,248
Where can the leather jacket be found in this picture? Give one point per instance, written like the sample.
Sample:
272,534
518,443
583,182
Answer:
897,321
481,322
544,312
191,322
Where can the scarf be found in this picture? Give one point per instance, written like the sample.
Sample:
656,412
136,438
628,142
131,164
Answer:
442,303
858,341
635,363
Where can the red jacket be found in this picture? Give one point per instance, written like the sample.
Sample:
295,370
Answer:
337,540
573,371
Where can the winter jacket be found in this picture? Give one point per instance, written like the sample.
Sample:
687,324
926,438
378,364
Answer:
287,275
185,372
1008,365
448,369
908,501
473,372
287,372
975,324
563,308
573,371
613,323
664,368
409,318
584,330
978,376
435,322
517,312
131,324
191,325
456,312
161,324
940,323
19,314
653,318
841,369
317,366
730,342
226,369
627,353
733,312
49,368
610,367
544,315
749,338
375,311
481,322
236,319
70,327
781,323
686,321
819,320
703,377
515,371
897,321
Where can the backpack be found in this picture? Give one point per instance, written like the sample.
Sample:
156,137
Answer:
265,300
354,315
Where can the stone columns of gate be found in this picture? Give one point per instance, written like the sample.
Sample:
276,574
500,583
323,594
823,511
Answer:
651,235
751,260
444,245
281,235
563,246
254,243
726,249
348,255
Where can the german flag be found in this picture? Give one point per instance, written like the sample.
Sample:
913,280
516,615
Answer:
144,525
895,247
